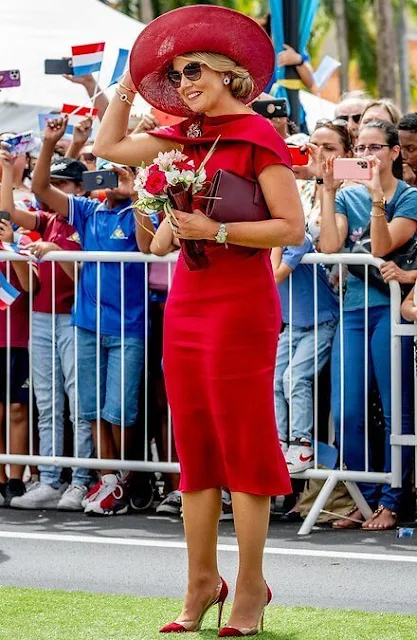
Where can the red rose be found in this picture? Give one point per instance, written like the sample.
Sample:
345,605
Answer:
184,166
153,169
156,182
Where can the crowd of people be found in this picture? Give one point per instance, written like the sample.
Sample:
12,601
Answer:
49,210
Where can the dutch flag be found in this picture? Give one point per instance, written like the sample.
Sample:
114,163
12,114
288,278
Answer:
8,294
74,118
87,58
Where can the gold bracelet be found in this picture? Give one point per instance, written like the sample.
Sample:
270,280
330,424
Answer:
378,215
126,88
123,97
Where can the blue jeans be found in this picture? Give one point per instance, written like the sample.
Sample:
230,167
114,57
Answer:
111,392
64,384
354,409
302,377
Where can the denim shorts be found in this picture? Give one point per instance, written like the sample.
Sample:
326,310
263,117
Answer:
111,392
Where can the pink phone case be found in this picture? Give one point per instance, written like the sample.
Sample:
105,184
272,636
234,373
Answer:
9,78
351,169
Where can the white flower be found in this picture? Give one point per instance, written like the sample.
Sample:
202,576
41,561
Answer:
173,176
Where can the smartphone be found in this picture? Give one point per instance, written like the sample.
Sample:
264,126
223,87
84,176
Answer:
273,108
93,180
352,169
22,143
9,78
4,215
299,156
59,67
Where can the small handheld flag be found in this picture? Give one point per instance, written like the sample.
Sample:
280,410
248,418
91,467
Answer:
8,294
75,115
87,58
120,66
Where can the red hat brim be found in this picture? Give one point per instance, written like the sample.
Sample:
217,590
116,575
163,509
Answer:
198,28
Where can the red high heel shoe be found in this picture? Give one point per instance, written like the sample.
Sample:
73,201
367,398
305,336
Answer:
184,626
228,632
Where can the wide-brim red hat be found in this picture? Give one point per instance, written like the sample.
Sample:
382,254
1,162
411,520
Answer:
198,28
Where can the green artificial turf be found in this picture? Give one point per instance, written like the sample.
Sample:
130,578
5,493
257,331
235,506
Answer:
32,614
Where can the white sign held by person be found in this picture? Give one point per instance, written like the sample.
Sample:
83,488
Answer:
325,70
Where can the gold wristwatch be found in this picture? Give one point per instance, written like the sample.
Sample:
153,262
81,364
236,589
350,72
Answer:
221,235
381,204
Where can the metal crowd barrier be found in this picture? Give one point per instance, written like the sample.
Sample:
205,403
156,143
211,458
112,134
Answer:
330,476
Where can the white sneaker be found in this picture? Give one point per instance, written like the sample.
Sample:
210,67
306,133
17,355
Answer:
112,497
284,446
172,504
71,499
38,496
300,456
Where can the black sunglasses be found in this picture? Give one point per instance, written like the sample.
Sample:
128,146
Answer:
192,71
355,117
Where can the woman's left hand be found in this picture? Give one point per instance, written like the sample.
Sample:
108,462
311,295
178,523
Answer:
374,184
193,226
391,271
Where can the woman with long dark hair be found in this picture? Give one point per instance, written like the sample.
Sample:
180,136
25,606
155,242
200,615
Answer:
391,206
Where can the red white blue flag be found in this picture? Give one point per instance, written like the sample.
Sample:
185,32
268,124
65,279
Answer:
8,293
75,115
87,58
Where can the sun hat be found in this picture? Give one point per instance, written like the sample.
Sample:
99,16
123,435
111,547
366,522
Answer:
198,28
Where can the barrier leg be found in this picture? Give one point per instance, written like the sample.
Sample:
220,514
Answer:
360,501
318,505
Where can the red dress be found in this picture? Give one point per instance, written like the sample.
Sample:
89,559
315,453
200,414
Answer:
221,331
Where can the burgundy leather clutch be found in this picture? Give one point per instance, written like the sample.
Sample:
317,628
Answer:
240,199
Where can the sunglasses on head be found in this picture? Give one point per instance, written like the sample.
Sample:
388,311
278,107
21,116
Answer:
191,71
355,117
338,122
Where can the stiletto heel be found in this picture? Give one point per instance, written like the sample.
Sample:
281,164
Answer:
184,626
219,619
229,632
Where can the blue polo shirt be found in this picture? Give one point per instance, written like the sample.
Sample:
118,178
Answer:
303,290
355,202
102,229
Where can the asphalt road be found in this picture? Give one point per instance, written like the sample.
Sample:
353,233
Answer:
144,555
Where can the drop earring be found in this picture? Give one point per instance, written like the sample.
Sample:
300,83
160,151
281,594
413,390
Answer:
226,80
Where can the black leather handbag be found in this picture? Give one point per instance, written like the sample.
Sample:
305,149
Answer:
405,257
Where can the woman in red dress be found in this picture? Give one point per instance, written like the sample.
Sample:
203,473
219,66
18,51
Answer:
222,322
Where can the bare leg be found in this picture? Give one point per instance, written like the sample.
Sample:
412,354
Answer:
107,448
117,439
19,436
251,517
201,511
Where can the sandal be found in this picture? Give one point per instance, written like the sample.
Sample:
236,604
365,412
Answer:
347,522
367,526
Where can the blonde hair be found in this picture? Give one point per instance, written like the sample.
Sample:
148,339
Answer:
389,106
241,84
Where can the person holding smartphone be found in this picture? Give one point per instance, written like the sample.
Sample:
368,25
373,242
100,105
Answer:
56,235
391,206
14,335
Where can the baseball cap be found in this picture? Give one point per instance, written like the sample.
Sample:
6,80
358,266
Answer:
68,169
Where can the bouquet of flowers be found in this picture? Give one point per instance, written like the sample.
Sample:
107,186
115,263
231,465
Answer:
171,181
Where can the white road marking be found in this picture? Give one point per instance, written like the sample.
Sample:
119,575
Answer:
172,544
